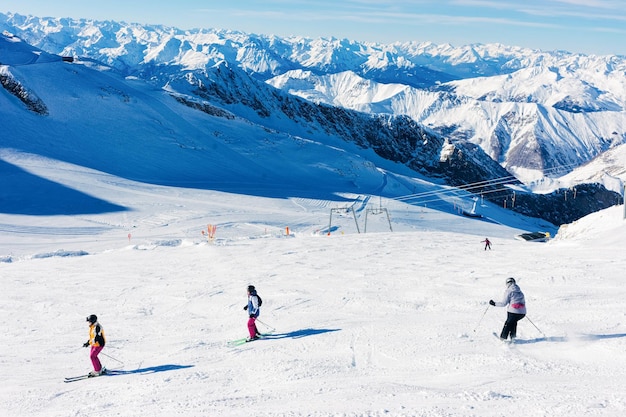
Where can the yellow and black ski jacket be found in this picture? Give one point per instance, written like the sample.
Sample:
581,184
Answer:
96,335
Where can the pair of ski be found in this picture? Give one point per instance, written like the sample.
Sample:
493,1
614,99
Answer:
244,340
87,376
505,341
81,377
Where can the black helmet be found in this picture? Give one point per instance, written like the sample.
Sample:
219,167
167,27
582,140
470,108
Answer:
510,281
251,288
92,318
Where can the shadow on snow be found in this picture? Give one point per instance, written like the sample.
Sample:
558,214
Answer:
149,370
300,333
602,336
28,194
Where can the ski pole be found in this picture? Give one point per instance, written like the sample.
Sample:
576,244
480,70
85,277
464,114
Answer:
266,325
531,322
111,357
481,318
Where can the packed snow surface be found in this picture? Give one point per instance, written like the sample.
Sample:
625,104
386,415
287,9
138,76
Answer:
382,323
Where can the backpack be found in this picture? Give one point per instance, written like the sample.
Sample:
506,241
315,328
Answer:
259,298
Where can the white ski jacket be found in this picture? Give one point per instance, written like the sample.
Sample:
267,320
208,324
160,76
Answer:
513,300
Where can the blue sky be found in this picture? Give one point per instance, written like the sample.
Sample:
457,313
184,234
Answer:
587,26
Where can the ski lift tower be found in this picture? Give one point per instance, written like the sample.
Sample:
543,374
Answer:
342,211
377,211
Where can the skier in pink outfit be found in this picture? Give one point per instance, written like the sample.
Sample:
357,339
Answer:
97,342
253,309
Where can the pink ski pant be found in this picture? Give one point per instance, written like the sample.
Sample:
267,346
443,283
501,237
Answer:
252,327
93,355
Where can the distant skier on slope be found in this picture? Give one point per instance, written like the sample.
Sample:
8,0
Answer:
97,342
253,309
487,243
516,308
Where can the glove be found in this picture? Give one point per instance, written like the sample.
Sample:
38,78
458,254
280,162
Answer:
491,302
245,307
86,344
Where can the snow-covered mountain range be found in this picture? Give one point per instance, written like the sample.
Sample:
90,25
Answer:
537,113
535,121
462,114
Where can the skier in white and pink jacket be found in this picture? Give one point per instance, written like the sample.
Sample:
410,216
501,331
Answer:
254,309
516,308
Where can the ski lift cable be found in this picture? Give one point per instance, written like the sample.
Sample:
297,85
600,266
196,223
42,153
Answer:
436,198
452,190
479,184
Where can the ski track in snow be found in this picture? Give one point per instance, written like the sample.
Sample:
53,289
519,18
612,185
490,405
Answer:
367,325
